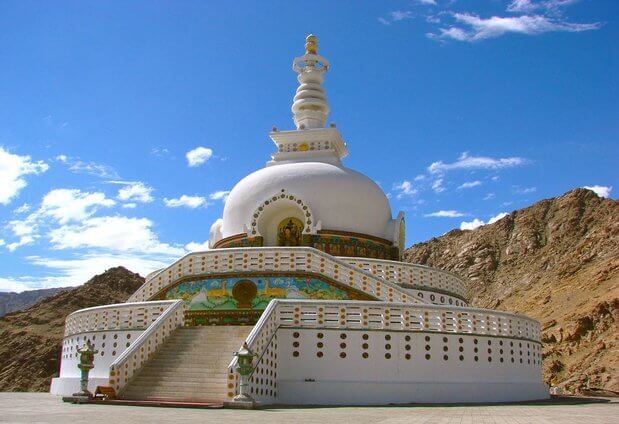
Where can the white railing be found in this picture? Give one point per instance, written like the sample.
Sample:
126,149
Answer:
419,276
259,341
120,316
401,316
276,259
132,359
345,315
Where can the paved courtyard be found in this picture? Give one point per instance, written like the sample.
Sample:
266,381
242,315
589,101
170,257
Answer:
45,408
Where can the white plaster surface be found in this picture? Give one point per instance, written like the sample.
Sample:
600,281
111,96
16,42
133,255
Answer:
306,378
340,198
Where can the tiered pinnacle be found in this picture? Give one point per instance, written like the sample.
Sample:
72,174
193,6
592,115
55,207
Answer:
311,141
310,107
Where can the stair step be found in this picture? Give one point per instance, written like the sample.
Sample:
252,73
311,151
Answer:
194,366
180,385
171,379
180,375
207,399
176,393
188,372
191,364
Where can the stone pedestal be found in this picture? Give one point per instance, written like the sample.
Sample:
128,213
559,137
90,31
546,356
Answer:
76,398
242,404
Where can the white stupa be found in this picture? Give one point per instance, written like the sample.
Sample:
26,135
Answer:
304,267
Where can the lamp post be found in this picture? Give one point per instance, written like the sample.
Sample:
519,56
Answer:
87,359
244,367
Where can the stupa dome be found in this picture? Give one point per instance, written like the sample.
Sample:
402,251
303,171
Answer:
339,199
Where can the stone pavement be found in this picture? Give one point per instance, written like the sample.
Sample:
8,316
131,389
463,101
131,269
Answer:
45,408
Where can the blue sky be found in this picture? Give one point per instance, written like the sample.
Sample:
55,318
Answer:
460,110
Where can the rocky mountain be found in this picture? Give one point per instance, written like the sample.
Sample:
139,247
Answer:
32,338
10,301
556,261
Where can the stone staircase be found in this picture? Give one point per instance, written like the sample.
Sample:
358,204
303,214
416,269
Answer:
190,366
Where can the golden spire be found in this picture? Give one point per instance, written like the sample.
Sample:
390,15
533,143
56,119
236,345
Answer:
311,44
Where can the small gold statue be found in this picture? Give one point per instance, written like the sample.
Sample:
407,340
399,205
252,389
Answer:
311,44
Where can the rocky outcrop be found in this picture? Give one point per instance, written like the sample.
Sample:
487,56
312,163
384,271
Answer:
32,338
557,261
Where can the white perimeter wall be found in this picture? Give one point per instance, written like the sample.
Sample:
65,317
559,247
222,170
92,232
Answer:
396,369
110,344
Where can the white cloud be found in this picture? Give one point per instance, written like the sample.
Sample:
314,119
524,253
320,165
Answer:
396,16
114,233
602,191
136,192
490,196
495,26
13,168
63,206
471,225
428,2
130,205
400,15
22,209
521,6
445,214
76,271
91,168
437,185
23,241
62,158
476,223
67,205
524,190
198,156
466,161
497,217
526,6
22,227
220,195
197,247
469,184
405,188
159,152
186,201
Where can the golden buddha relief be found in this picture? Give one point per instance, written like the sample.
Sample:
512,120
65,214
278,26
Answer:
289,232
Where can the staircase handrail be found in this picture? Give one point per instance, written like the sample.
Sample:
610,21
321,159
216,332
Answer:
251,338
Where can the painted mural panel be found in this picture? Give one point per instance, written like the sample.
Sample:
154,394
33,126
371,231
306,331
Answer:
251,292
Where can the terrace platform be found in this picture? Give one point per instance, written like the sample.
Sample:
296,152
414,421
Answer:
46,408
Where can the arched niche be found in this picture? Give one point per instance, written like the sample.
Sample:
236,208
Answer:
277,210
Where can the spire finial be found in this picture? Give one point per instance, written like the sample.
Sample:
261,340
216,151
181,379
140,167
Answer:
311,44
310,107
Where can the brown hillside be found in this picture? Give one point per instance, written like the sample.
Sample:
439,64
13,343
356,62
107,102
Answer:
32,338
10,301
556,261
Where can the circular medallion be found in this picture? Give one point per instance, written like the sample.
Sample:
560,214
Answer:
244,292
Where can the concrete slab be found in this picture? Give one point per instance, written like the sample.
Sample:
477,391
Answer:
46,408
